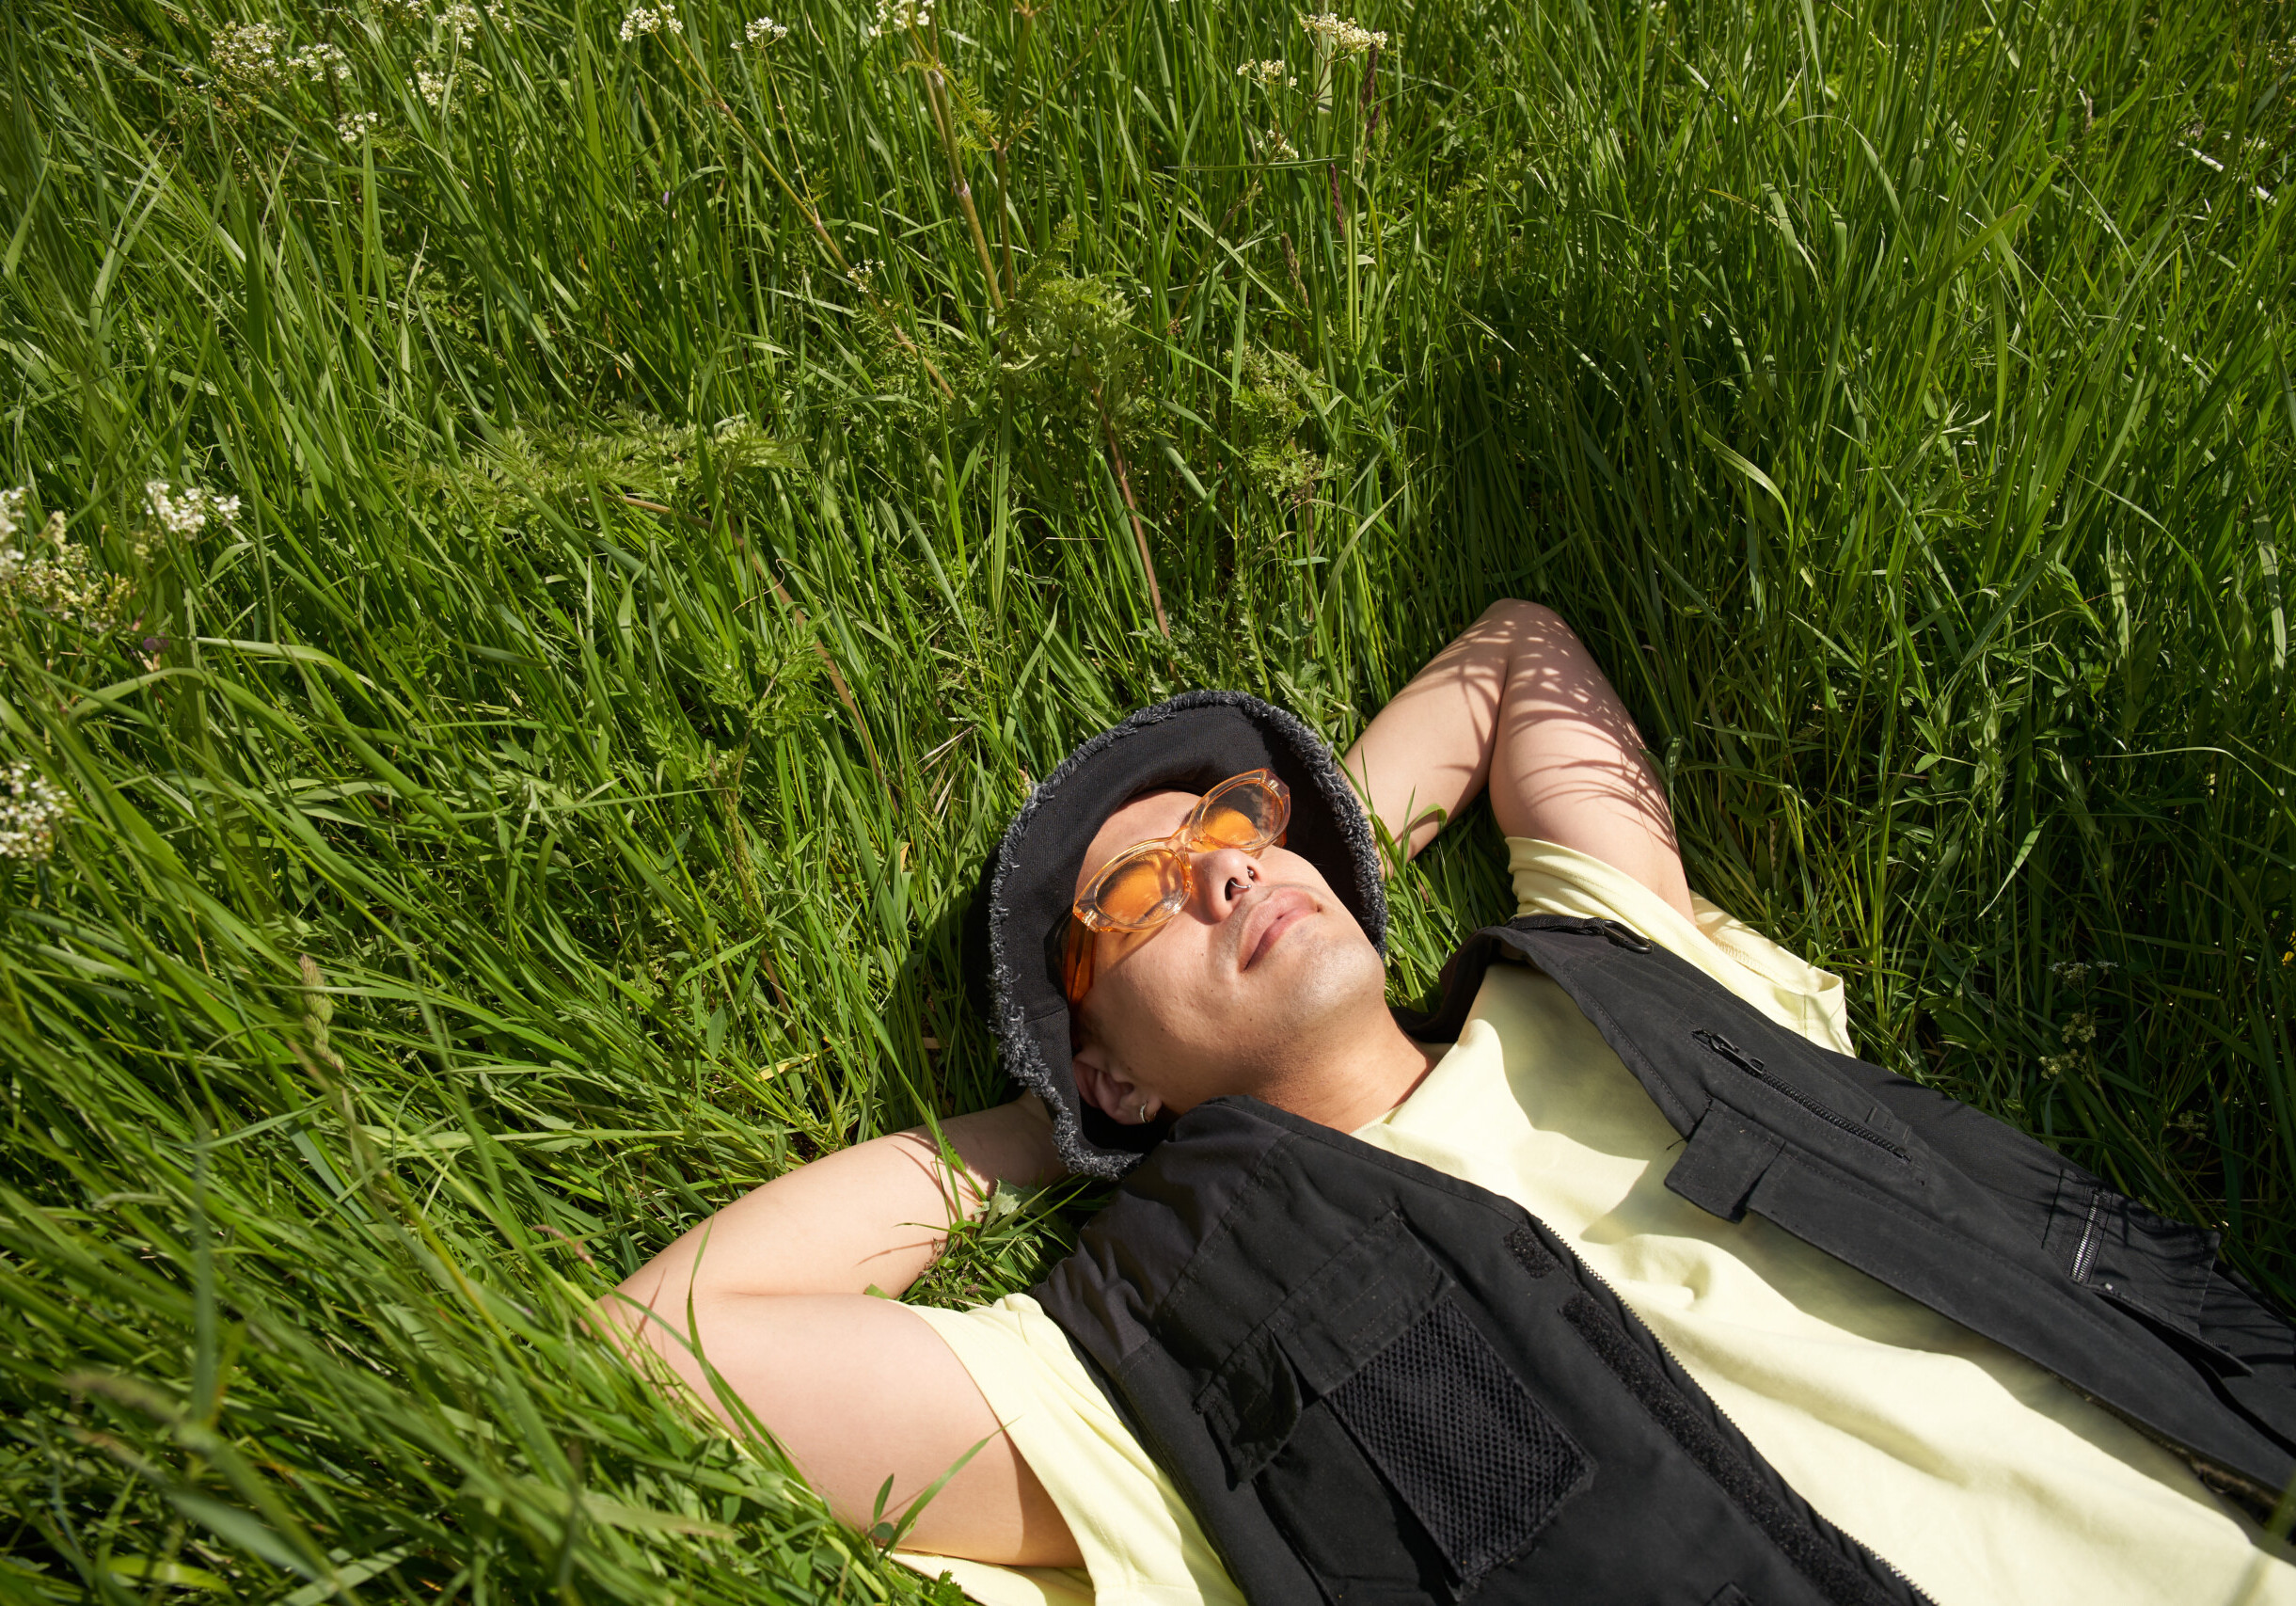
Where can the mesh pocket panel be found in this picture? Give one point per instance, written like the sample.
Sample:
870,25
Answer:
1481,1465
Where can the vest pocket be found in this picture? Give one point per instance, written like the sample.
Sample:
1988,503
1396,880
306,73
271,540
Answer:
1382,1431
1472,1455
1348,1311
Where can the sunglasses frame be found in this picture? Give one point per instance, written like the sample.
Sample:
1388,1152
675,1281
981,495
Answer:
1086,919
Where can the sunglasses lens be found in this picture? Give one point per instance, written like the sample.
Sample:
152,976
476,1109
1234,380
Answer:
1245,814
1141,887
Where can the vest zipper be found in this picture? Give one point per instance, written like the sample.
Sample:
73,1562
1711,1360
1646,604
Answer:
2084,1254
1716,1043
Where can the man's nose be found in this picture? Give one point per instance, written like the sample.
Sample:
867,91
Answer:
1222,876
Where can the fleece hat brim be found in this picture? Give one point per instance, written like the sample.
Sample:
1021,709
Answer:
1020,912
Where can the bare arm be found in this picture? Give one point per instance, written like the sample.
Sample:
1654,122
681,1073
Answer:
1518,702
858,1388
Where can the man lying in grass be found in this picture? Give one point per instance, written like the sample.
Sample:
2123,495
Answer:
1620,1280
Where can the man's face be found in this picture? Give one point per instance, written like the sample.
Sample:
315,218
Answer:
1247,982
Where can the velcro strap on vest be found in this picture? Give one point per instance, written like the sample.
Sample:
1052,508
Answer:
1726,1157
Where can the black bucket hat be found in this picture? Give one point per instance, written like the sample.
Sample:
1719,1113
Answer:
1020,912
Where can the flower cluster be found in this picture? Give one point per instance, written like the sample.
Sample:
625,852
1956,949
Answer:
461,18
187,513
1267,75
1344,36
657,19
2078,1035
247,52
30,810
458,17
321,62
468,79
1274,146
763,31
898,16
58,582
356,126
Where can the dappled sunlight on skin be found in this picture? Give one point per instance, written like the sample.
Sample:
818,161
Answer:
1518,703
1515,703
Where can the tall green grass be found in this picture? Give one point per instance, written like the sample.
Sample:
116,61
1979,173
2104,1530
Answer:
671,537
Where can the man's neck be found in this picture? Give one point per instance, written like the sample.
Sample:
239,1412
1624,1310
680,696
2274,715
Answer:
1359,1077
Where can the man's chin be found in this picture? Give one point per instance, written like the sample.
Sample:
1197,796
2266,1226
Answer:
1311,980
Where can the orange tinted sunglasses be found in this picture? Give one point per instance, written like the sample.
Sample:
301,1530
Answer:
1149,883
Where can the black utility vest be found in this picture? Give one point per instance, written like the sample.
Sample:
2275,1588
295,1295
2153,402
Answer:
1372,1382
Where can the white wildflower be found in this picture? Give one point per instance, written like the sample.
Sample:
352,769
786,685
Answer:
61,580
247,52
30,810
467,80
657,18
462,19
1344,36
321,62
356,126
1274,146
863,275
184,515
900,16
763,31
1267,75
187,513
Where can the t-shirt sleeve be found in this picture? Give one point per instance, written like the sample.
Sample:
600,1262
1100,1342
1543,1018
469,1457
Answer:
1141,1544
1550,879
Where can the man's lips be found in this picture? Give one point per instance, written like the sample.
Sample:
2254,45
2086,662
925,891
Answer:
1278,910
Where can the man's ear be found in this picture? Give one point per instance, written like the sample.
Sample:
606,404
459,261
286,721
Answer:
1105,1087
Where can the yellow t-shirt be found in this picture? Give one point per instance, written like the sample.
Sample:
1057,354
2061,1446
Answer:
1973,1471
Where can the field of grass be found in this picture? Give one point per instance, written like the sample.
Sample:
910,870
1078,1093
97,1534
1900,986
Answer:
688,478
